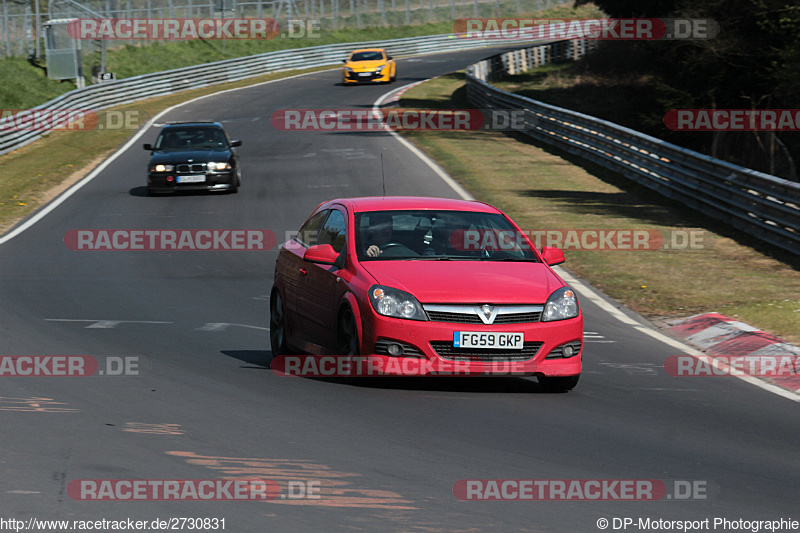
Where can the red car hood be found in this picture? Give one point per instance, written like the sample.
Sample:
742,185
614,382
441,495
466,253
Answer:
473,282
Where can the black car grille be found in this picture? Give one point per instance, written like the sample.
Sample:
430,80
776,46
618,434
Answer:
446,350
382,348
467,318
357,76
558,352
195,167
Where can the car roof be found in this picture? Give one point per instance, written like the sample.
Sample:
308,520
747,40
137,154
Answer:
368,50
400,203
195,123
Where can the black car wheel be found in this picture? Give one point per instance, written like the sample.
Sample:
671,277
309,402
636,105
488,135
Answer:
558,384
236,184
277,325
348,334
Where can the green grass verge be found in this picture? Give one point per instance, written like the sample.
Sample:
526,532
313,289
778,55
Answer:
35,173
25,85
544,188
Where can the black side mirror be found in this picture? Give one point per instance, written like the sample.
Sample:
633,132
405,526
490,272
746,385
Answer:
237,142
148,146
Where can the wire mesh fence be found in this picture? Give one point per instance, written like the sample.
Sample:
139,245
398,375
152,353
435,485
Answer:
21,20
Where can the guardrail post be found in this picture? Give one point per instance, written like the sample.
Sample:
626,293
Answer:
764,206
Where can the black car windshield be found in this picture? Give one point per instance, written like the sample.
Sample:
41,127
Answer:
367,56
191,138
439,235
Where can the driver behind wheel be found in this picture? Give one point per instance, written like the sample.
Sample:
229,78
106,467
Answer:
378,234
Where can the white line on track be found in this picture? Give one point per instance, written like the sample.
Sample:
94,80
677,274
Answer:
583,289
39,215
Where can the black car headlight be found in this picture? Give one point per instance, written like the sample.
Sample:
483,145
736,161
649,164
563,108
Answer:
395,303
162,168
561,305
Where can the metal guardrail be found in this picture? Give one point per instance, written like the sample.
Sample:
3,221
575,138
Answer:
109,94
764,206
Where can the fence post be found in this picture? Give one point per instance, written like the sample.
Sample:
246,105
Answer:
6,28
37,29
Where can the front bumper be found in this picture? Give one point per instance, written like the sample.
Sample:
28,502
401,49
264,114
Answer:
428,348
371,77
214,181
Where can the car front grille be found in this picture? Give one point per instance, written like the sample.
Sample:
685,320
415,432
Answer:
471,314
357,76
464,318
186,168
446,350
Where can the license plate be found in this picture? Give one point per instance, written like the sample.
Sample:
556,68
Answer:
365,73
191,179
493,340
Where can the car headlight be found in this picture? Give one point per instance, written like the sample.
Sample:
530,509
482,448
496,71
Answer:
219,166
395,303
561,305
348,69
380,68
162,168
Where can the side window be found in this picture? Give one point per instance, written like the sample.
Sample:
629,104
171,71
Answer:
307,236
333,231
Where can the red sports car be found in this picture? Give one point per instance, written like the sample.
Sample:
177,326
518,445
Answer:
425,286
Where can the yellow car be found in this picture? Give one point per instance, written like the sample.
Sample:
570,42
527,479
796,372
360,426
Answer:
369,65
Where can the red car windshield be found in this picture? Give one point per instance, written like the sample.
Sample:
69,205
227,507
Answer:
443,235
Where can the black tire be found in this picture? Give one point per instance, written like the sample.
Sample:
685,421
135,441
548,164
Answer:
558,384
348,334
236,185
277,325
